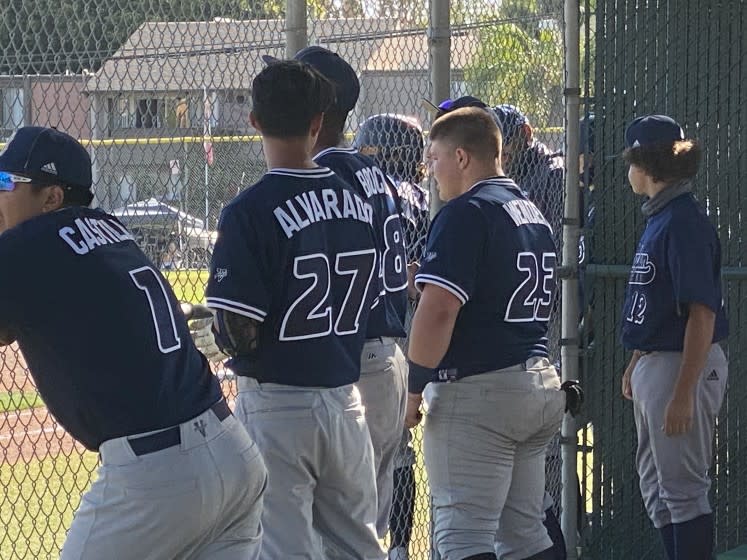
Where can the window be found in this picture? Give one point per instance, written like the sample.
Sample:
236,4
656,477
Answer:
11,110
149,113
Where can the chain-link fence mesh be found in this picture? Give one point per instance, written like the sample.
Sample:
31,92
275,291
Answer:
160,93
686,59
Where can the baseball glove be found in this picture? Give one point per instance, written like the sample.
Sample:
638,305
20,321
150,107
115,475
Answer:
574,396
200,320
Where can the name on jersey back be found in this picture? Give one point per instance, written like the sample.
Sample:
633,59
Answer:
523,212
85,234
310,207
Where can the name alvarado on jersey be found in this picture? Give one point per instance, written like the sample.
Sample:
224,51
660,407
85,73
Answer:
305,209
90,233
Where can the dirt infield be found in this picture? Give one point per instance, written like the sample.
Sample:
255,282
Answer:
33,433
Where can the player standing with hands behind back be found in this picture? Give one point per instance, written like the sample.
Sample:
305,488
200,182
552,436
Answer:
479,341
293,279
673,319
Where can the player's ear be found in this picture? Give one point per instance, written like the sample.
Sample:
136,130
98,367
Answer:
54,197
254,122
462,157
527,132
316,124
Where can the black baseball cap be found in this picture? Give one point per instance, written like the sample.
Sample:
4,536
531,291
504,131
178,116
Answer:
333,67
649,130
48,156
510,120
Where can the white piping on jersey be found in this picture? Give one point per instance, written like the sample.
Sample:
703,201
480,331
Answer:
447,285
316,173
335,149
236,307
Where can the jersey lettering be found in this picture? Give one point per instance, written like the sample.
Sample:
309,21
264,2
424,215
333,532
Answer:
311,313
637,313
532,299
147,280
305,209
91,233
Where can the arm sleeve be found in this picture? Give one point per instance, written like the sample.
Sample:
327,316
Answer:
694,259
456,243
239,275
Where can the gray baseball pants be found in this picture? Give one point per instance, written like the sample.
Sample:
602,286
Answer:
320,502
485,439
673,471
383,389
198,500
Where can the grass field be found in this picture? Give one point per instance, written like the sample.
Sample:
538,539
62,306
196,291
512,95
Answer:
39,501
188,285
11,401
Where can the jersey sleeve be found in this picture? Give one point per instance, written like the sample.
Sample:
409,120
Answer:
694,259
456,241
239,274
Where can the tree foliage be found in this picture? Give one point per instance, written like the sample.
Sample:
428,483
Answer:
520,58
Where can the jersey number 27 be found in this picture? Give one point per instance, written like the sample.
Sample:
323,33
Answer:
312,315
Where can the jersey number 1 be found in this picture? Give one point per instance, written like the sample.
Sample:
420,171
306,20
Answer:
148,281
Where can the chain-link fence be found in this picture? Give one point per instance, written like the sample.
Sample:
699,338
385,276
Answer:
686,59
160,93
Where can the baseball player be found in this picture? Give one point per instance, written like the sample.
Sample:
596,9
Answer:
673,319
534,181
109,350
293,279
383,380
479,341
396,144
537,170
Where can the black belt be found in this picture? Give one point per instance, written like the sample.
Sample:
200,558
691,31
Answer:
171,436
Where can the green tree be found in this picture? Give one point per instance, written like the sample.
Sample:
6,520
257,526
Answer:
519,59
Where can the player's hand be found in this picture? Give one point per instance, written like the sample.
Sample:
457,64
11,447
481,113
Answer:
627,390
678,416
200,320
412,270
413,416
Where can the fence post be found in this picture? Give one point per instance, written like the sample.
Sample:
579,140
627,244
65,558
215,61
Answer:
295,26
569,320
439,49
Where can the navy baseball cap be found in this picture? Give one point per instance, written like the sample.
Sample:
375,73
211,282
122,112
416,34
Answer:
510,119
47,155
332,66
449,105
653,129
586,134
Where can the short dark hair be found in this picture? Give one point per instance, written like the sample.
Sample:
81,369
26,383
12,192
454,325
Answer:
287,95
72,196
667,162
472,129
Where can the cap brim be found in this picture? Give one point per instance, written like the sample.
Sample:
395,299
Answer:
267,59
430,107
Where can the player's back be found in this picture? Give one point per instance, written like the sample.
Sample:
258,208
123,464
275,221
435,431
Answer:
100,328
296,253
362,173
508,286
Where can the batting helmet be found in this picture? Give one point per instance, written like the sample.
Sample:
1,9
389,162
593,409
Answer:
396,143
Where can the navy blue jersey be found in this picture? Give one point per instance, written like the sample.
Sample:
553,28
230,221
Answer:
296,253
362,173
102,332
677,262
493,250
415,211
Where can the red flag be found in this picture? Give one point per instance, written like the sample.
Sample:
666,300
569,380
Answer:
207,144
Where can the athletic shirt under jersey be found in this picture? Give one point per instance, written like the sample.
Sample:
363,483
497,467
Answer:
493,250
677,262
296,253
100,328
362,173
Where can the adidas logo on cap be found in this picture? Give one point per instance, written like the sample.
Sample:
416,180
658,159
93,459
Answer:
50,168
